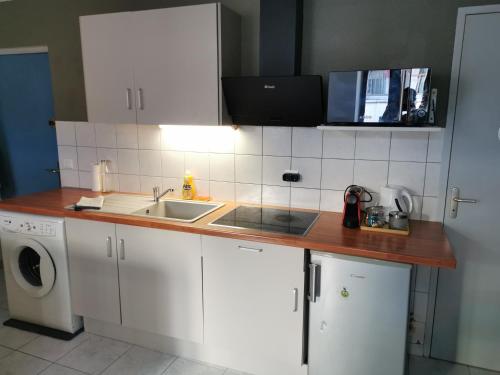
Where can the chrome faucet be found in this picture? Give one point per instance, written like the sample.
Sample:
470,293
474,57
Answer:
157,195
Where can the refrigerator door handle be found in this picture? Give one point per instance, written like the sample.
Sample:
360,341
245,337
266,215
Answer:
313,280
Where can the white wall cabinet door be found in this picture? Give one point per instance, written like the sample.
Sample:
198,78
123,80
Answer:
93,269
253,295
107,63
161,281
176,65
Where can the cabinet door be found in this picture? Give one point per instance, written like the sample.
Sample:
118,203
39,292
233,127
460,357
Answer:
176,65
93,269
161,282
253,296
107,65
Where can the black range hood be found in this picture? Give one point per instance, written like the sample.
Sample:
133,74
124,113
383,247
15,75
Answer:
280,96
278,101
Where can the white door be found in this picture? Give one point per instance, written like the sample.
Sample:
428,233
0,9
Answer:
467,320
176,65
107,64
253,296
161,281
93,269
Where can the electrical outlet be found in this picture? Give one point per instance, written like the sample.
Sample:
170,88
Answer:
291,176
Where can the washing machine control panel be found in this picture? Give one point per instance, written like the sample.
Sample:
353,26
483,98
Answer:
36,228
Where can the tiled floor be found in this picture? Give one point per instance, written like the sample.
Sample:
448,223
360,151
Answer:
24,353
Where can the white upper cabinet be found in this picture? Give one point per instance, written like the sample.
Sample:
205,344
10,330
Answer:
107,65
160,66
254,299
161,281
176,62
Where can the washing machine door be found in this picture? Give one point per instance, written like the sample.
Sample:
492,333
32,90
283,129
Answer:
32,267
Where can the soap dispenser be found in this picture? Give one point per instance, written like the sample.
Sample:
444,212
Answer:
188,189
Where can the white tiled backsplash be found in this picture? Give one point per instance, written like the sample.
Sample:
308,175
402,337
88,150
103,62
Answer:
246,164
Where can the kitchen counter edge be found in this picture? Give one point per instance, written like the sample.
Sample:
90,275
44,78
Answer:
426,245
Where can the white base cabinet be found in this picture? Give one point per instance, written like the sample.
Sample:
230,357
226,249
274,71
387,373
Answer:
160,281
253,295
237,304
142,278
93,269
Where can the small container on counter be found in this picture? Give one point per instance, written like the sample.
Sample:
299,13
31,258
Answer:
375,216
398,220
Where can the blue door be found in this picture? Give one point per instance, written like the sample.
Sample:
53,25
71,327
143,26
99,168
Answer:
27,143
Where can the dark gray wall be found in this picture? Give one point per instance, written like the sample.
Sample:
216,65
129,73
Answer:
338,35
54,23
363,34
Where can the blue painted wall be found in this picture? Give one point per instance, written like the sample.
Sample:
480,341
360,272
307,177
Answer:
27,143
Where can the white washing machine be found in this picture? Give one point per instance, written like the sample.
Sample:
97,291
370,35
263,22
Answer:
36,274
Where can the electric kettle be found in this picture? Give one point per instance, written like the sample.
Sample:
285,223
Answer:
395,198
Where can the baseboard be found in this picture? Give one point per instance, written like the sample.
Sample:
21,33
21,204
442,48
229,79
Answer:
41,330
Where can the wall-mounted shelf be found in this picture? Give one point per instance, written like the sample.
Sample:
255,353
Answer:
381,128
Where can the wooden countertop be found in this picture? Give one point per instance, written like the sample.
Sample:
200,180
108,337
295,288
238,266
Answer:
426,245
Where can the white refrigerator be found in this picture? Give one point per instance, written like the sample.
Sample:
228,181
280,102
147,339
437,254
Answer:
358,315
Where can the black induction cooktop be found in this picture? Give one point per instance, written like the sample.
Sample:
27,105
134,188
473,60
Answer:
268,220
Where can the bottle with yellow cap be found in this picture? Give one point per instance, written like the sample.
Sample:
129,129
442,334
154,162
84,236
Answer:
188,189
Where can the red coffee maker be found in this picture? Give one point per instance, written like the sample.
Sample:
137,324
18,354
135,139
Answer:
353,197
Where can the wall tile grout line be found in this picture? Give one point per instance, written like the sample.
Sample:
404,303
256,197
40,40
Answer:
321,169
390,161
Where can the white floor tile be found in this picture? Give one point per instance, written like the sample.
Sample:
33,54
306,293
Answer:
480,371
56,369
183,366
426,366
4,352
22,364
233,372
52,349
140,361
15,338
94,355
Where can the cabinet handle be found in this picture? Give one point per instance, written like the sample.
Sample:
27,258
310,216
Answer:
249,249
122,249
313,279
140,103
295,299
129,98
109,247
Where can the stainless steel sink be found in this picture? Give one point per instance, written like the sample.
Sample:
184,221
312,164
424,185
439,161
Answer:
185,211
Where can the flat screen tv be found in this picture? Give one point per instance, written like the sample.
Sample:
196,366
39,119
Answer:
389,97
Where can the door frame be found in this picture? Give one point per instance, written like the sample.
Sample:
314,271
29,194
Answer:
448,133
24,50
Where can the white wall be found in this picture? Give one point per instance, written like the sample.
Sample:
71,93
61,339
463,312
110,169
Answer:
246,165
